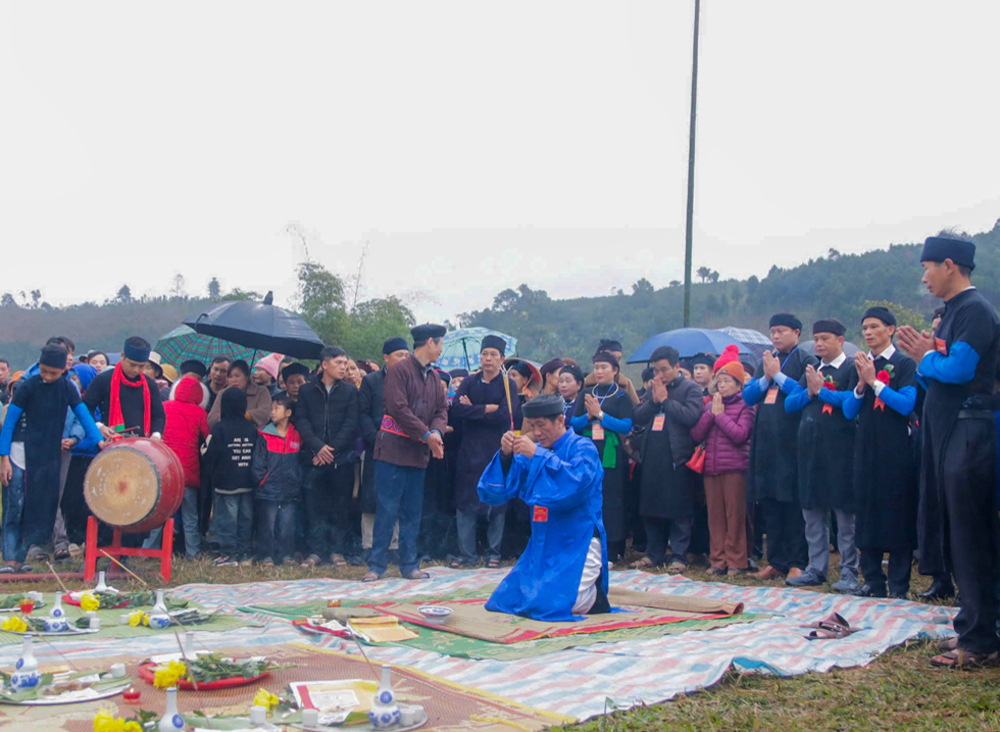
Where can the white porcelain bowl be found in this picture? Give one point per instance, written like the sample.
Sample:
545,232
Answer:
437,614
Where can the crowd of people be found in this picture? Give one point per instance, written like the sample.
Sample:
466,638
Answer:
889,452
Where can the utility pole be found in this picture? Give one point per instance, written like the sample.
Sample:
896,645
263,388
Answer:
690,201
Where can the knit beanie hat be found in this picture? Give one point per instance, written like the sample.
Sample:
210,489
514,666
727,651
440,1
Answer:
729,363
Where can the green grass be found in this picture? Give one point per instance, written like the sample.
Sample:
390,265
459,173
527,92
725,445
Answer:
898,691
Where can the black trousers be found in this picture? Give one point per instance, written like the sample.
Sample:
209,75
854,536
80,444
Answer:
327,490
786,534
900,561
972,531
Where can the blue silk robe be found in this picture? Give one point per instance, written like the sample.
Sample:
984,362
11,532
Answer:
562,487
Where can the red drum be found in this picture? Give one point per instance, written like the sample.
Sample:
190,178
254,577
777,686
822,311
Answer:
135,485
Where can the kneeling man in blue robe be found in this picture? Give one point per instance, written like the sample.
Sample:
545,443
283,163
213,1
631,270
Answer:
563,572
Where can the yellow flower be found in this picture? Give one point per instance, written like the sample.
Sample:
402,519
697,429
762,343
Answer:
264,698
105,722
167,676
137,618
14,623
132,727
88,602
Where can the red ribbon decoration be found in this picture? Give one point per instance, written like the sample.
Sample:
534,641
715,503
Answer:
882,376
828,408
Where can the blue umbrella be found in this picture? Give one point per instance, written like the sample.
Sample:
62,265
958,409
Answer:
460,348
259,326
688,342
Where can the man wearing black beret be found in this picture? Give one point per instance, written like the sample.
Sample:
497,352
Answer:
825,455
412,429
772,478
958,516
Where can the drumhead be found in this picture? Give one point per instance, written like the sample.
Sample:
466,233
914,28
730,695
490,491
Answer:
122,486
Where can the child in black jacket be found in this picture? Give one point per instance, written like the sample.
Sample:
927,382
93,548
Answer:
277,473
226,470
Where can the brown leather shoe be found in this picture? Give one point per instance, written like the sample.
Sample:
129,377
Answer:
794,572
768,573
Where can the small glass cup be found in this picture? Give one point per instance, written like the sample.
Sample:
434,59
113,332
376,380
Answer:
27,606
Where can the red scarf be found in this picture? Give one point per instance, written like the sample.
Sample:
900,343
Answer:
115,418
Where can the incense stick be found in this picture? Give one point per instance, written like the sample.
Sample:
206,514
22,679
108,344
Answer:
56,575
125,568
506,388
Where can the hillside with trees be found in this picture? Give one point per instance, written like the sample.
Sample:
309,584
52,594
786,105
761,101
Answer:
330,306
837,285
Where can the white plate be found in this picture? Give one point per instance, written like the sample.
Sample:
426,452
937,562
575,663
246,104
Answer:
366,727
57,634
72,697
39,604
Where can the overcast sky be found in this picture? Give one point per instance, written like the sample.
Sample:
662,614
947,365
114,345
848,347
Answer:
476,146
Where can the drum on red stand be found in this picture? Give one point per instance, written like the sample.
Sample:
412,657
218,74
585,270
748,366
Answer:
135,485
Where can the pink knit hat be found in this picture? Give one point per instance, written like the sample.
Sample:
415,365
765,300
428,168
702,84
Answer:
271,364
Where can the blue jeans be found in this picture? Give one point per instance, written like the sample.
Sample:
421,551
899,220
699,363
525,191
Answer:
275,529
399,494
232,523
13,504
189,515
468,523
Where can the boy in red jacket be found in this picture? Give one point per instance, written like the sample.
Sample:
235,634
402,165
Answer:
186,430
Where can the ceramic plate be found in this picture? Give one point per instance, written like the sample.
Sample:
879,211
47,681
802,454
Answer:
58,634
72,697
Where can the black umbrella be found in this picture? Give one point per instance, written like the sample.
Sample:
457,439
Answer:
261,326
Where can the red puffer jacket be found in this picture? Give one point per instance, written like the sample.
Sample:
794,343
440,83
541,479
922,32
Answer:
726,436
187,427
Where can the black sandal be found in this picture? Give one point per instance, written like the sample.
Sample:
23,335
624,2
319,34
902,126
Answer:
7,569
492,563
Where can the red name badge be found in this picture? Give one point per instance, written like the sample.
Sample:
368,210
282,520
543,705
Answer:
941,346
772,395
658,421
540,514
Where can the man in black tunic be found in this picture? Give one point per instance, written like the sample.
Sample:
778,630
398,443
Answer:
881,397
772,475
958,514
825,454
126,398
480,407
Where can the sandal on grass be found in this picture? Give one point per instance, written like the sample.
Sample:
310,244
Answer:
960,659
371,577
948,644
268,562
644,563
337,560
416,574
8,569
61,555
311,561
492,563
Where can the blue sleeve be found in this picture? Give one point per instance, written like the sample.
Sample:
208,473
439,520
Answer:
835,398
798,399
902,401
921,380
90,428
852,404
562,484
958,367
621,426
14,413
755,390
73,428
494,488
580,421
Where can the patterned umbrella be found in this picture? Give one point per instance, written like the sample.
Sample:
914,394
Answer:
461,348
182,343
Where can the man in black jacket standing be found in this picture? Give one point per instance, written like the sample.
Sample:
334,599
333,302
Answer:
667,412
327,419
371,411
